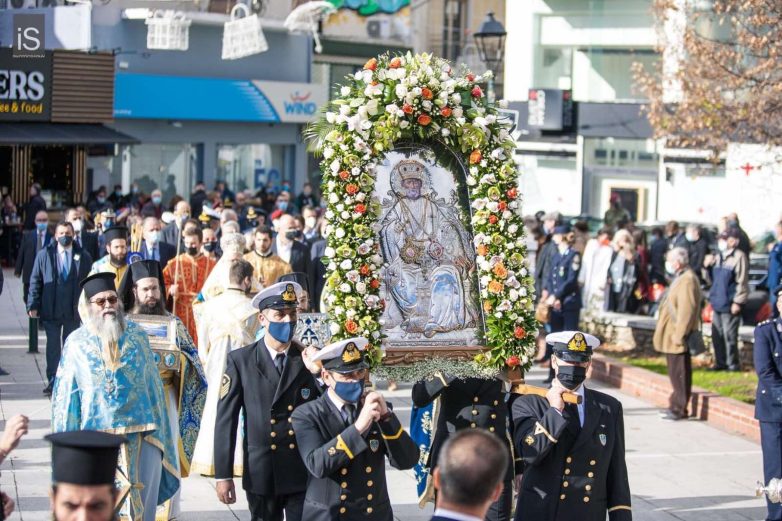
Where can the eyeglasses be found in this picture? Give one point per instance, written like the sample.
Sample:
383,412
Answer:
101,302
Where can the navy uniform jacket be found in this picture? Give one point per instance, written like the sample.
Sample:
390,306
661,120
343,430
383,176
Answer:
565,477
272,465
562,280
469,403
348,469
768,365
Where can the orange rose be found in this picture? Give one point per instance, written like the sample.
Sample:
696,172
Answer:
344,175
424,120
426,93
512,193
500,271
374,284
493,219
519,332
351,326
446,112
407,108
487,306
351,189
360,208
513,361
475,157
483,250
364,270
471,77
395,63
502,205
371,64
495,287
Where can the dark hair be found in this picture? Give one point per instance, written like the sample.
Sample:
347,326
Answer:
197,232
657,231
472,463
264,230
240,269
64,223
639,236
606,230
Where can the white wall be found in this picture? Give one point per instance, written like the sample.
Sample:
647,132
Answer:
549,187
756,198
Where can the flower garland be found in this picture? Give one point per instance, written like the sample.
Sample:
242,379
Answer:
422,98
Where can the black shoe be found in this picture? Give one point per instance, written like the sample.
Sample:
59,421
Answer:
48,390
717,368
3,372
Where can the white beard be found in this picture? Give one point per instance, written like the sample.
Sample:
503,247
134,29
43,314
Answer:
108,328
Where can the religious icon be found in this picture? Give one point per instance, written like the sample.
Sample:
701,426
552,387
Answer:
429,282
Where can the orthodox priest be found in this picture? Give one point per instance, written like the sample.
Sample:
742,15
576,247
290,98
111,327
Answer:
116,239
230,322
184,276
141,290
108,381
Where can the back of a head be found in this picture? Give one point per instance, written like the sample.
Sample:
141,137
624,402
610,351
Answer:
472,463
240,269
232,244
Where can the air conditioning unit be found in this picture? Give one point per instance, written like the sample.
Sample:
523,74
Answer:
380,29
21,4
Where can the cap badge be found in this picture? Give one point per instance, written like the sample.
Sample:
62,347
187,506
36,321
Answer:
577,343
351,353
289,295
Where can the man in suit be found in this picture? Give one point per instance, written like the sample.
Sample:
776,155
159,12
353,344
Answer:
767,353
286,245
54,292
466,479
171,233
573,455
33,241
86,240
468,403
268,379
345,438
152,248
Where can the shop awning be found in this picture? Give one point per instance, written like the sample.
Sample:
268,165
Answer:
61,134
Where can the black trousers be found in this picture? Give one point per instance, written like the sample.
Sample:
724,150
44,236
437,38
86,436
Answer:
271,508
680,373
771,444
56,333
725,339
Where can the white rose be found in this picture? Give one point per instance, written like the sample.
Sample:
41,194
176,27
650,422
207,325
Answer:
485,281
514,295
361,288
416,92
513,228
360,197
340,233
400,90
345,287
404,124
445,132
506,215
413,79
332,266
345,214
485,266
334,328
333,198
523,272
345,90
329,215
457,99
346,264
523,292
329,252
426,104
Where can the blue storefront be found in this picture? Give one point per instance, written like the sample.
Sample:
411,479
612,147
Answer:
198,117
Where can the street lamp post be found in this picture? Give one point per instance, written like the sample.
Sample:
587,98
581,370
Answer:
490,40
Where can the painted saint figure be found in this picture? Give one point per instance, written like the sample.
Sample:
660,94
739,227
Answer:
429,255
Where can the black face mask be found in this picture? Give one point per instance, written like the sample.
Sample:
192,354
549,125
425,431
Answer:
192,251
210,246
571,376
293,234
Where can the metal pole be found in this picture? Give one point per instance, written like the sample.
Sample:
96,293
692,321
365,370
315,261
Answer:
32,329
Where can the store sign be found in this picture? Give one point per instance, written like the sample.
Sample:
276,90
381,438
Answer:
550,109
147,96
25,87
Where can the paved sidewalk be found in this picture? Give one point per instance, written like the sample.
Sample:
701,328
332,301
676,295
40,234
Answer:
678,471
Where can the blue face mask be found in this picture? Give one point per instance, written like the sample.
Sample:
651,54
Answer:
282,332
349,391
42,226
282,205
157,200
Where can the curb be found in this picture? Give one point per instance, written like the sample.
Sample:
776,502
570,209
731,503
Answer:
726,414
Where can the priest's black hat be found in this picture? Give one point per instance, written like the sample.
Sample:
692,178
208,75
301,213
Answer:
85,457
115,232
98,283
143,269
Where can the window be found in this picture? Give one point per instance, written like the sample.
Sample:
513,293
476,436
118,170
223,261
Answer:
607,74
171,168
252,166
